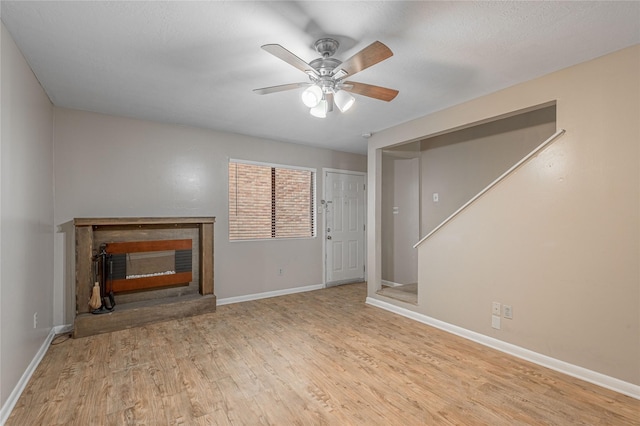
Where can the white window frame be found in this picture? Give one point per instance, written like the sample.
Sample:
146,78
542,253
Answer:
314,196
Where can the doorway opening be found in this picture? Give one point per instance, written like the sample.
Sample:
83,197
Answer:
401,222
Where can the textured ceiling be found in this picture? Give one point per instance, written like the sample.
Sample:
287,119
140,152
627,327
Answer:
196,63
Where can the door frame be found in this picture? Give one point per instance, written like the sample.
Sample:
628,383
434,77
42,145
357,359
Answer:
323,208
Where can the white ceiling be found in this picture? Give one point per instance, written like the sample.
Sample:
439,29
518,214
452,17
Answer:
196,63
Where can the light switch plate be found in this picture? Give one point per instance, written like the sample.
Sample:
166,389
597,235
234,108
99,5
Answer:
495,322
495,308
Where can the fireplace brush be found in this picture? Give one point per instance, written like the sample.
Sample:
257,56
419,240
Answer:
107,300
95,302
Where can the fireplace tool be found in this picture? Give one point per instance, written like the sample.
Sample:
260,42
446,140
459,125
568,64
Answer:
95,302
108,300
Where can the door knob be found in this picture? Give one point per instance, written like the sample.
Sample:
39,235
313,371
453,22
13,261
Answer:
328,237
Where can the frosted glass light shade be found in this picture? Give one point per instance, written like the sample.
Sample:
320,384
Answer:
312,96
320,110
343,100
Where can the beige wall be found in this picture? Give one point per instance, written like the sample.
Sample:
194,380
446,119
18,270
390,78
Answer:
458,165
455,165
26,213
111,166
400,216
559,239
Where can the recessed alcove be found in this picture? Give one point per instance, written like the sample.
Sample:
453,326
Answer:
158,269
424,181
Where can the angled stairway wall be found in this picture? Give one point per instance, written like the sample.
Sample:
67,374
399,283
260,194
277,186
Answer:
559,240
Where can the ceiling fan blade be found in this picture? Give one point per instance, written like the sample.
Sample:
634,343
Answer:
280,88
377,92
282,53
370,55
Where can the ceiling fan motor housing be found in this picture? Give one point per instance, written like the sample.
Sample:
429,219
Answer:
326,47
325,66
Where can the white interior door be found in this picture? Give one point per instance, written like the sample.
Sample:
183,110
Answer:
344,227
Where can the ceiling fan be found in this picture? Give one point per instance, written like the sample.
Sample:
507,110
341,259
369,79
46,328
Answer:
327,75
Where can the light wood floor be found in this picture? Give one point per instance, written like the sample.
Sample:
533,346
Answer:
405,293
321,357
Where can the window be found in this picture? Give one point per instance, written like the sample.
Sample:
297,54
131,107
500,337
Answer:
270,201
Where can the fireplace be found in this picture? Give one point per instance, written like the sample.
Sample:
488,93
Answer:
144,265
154,269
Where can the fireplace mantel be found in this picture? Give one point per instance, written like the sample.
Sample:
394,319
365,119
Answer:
143,221
141,308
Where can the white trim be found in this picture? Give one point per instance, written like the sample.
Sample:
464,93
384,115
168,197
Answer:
62,329
267,294
344,172
582,373
494,183
390,283
10,403
253,240
280,166
342,282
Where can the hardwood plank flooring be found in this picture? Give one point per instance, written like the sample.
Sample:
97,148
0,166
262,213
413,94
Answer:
405,293
316,358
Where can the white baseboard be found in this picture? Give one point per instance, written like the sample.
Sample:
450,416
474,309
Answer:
22,383
390,283
587,375
61,329
267,294
343,282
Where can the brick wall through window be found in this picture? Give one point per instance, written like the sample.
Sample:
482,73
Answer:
267,201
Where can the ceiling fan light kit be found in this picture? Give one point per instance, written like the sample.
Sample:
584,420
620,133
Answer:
312,96
343,100
320,110
326,74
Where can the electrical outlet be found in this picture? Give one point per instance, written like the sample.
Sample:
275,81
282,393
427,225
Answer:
280,271
436,197
35,320
495,322
508,311
495,308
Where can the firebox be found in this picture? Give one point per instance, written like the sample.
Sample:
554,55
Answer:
142,265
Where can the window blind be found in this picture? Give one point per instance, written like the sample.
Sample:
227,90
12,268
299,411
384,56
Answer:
267,201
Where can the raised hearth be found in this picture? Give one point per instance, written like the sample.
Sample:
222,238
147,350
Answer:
158,269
